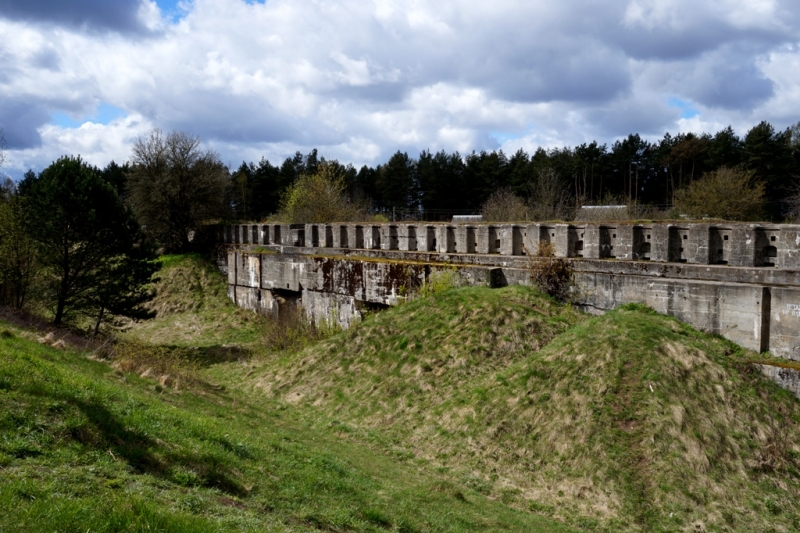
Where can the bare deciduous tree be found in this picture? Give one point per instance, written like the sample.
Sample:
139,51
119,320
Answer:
549,199
175,185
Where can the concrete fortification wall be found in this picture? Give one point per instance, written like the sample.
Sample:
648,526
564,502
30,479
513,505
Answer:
739,280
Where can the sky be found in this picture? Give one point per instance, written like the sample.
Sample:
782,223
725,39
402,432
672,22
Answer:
361,79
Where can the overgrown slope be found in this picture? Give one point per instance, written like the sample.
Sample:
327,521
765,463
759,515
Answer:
628,421
85,448
192,308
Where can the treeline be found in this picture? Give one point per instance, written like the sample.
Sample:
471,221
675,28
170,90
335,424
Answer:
631,170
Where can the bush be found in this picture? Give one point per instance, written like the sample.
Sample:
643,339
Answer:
551,274
504,206
319,197
729,193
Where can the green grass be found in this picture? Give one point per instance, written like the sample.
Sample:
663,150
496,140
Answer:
193,309
86,448
630,421
468,409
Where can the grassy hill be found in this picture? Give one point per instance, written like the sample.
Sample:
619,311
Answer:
469,410
628,421
84,447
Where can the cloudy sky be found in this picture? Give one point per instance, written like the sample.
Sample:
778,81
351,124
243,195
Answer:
360,79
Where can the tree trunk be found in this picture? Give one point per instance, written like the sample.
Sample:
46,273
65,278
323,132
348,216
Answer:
99,320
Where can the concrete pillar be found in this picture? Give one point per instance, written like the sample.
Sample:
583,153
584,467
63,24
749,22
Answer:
625,244
530,238
482,239
561,240
311,235
696,246
461,239
592,242
352,242
505,235
659,249
789,251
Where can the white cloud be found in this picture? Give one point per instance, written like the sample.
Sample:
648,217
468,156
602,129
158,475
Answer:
359,80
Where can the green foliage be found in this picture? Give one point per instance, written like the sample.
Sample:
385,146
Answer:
726,193
504,206
174,186
319,197
90,247
439,281
19,264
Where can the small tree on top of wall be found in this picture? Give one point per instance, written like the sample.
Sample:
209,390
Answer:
319,197
730,193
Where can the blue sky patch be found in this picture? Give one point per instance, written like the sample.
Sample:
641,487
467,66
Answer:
104,114
687,108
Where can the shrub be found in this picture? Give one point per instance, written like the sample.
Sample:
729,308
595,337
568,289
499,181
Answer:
729,193
551,274
320,197
504,206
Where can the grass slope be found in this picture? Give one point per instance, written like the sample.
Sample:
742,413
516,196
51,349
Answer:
192,308
84,447
630,421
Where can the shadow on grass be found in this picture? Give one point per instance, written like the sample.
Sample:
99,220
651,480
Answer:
102,430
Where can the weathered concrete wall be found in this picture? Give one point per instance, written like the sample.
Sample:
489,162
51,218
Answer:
739,280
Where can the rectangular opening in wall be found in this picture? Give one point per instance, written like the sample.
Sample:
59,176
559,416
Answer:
608,238
393,241
314,235
359,237
343,237
412,238
766,251
278,237
265,233
376,237
719,246
494,241
517,247
675,251
328,237
450,235
472,241
254,233
431,240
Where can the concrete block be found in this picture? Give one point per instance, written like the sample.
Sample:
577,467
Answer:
482,240
281,272
789,256
560,239
784,321
659,249
311,235
461,239
594,242
530,238
742,246
696,244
